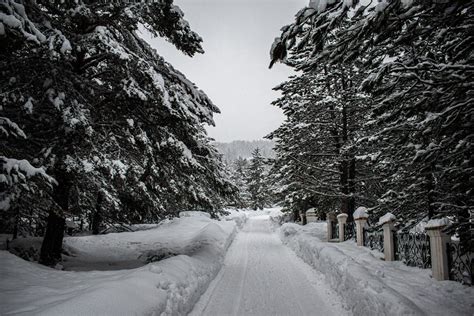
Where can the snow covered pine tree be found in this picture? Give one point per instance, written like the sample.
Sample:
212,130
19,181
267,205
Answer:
317,144
416,57
114,130
257,182
239,179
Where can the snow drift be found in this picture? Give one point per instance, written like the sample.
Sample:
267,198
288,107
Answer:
371,286
167,287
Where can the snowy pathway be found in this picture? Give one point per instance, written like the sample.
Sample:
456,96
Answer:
262,277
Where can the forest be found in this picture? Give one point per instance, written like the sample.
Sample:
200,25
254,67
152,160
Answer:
380,113
98,131
96,127
117,196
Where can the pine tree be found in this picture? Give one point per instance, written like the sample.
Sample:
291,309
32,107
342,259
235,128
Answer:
239,177
326,115
118,129
257,181
416,62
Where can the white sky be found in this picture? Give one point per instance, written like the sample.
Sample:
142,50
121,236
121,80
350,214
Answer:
234,72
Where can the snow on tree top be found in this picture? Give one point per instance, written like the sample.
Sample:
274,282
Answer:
23,166
320,5
7,127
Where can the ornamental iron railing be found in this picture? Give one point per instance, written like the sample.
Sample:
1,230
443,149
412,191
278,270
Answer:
349,231
373,238
335,230
413,249
460,263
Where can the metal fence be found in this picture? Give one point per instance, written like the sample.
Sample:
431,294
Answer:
413,249
460,263
335,230
349,231
373,238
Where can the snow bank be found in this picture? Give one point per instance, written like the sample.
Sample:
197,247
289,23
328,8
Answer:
277,217
166,287
194,214
371,286
239,217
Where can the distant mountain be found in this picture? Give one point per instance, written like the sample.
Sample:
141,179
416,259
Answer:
244,148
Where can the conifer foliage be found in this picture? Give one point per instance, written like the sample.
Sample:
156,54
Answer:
257,182
412,138
239,179
94,124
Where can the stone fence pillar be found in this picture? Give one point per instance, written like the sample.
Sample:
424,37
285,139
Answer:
330,217
311,215
360,218
388,221
342,219
438,248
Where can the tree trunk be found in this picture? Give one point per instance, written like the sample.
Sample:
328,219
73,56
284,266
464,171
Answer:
296,215
16,223
351,182
430,195
53,240
345,162
97,218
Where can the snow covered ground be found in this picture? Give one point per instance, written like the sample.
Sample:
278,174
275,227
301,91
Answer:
370,286
262,277
195,246
186,265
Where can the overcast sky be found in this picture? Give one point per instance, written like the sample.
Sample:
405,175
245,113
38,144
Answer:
234,70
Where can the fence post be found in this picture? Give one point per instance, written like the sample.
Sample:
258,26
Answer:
360,218
311,215
330,217
388,221
342,219
438,248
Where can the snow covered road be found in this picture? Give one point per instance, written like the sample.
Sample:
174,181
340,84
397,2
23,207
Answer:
262,277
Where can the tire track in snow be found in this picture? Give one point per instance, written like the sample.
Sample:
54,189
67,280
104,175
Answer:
294,290
244,276
261,276
228,275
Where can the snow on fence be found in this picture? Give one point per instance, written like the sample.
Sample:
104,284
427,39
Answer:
448,259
